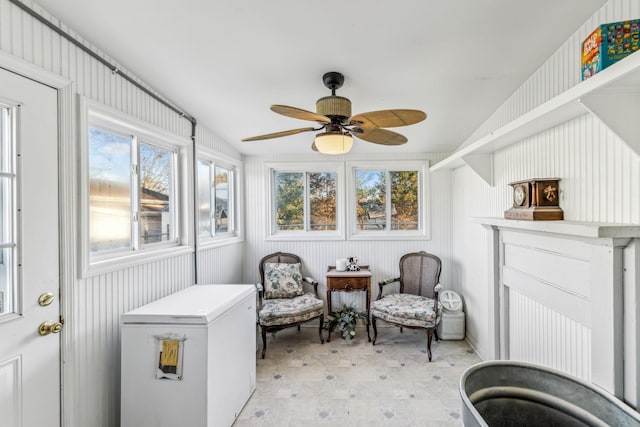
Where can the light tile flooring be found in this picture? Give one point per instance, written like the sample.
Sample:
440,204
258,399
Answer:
353,383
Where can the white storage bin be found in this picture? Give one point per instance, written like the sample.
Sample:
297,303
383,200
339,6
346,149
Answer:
451,326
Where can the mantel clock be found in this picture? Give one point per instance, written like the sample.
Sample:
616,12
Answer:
535,199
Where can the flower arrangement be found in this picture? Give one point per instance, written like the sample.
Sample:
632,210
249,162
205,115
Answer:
345,321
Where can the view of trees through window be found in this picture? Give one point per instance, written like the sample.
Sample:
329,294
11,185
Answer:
375,200
291,191
155,194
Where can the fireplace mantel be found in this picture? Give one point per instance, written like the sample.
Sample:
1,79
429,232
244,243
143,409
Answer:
572,228
585,277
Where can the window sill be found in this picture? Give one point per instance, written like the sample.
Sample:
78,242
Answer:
284,237
389,236
133,259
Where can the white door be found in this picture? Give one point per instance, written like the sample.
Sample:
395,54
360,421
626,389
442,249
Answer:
29,361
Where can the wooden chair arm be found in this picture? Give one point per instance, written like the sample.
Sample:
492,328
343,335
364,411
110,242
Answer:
385,282
437,288
260,289
313,282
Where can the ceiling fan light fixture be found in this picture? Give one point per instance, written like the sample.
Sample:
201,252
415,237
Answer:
334,142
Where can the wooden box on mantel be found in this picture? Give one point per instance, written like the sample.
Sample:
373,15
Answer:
535,199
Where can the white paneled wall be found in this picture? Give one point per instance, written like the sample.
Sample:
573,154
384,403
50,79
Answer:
600,182
221,264
381,256
555,341
92,306
558,73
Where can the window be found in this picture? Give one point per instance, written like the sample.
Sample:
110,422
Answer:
388,202
8,240
218,210
132,203
305,202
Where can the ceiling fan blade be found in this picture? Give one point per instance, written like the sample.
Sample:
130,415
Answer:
278,134
389,118
380,136
299,113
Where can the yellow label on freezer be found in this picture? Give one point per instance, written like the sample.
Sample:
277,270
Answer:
169,353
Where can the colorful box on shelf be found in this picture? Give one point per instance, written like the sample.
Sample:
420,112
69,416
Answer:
608,44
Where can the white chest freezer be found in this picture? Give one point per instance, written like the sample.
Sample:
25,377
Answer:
189,359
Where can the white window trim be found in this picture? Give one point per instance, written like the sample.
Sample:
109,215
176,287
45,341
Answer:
92,111
305,167
424,191
237,236
15,228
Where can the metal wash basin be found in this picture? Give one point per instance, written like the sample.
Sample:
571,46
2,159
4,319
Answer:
508,393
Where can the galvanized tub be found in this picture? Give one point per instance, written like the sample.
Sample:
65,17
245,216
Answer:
507,393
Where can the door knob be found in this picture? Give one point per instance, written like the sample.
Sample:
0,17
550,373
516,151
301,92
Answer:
50,327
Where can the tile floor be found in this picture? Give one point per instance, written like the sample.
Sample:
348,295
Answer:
352,383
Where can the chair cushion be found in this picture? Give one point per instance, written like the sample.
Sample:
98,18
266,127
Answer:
407,309
286,311
282,280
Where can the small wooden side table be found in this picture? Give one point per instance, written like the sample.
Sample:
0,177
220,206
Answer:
349,281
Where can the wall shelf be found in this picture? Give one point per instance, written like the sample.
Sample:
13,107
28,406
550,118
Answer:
612,95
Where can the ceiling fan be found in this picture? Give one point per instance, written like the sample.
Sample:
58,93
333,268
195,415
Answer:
333,114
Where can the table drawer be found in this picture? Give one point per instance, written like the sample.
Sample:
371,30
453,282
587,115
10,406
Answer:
347,283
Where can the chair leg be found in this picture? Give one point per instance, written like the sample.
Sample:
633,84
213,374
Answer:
320,329
429,337
298,327
264,340
435,333
375,330
400,329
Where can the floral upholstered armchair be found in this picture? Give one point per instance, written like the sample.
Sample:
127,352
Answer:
416,304
283,301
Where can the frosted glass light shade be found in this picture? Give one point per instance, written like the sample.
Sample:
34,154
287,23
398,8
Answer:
334,142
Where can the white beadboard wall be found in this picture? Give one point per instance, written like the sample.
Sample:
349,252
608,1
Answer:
559,73
600,181
92,306
381,256
556,341
220,264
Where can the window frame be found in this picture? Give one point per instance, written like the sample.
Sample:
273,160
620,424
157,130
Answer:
235,193
14,225
92,113
424,229
306,167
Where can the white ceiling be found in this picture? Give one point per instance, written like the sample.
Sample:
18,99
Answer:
226,61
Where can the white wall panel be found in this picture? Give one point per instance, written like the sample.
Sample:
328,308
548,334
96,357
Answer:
91,340
600,182
381,256
220,264
538,334
560,72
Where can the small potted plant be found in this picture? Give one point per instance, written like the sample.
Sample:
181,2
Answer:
345,321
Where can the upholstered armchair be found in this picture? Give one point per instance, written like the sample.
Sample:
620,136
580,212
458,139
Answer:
283,302
416,304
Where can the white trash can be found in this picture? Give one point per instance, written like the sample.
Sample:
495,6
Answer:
451,326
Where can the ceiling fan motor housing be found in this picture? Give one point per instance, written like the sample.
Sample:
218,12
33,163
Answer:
334,106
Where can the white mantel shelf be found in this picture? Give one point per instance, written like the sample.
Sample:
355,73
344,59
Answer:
572,228
612,95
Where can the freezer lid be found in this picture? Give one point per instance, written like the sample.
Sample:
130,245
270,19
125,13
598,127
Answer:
196,305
